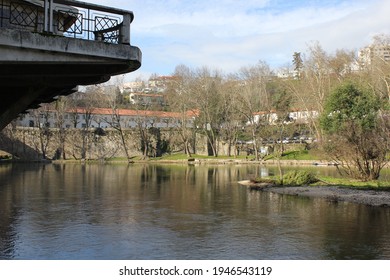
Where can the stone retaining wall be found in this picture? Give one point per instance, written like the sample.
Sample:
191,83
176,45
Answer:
38,144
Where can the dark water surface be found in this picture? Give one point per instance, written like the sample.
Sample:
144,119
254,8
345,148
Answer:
174,212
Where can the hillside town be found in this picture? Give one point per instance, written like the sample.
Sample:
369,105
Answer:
199,111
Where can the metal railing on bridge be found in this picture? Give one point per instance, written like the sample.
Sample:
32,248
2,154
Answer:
68,18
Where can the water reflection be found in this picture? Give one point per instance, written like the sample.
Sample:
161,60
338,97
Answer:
174,212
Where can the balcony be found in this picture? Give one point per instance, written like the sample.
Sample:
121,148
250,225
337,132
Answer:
48,47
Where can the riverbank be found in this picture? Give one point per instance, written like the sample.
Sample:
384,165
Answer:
208,160
337,194
367,195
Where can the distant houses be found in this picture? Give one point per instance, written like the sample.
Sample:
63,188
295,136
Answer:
296,116
145,99
150,93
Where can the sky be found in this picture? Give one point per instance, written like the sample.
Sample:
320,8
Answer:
227,35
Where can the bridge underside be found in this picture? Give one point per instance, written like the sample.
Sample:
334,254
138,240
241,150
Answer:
35,68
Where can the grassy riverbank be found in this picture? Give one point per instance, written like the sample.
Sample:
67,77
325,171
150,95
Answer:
303,155
289,155
344,183
289,158
347,182
299,158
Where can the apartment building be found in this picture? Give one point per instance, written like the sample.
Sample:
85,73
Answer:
368,54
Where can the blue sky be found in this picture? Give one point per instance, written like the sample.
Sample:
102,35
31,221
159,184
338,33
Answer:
230,34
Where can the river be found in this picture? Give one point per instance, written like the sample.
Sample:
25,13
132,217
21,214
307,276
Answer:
151,211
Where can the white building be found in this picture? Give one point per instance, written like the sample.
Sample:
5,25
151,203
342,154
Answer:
147,99
105,118
296,116
133,87
368,54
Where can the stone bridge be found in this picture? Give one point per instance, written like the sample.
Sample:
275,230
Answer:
49,47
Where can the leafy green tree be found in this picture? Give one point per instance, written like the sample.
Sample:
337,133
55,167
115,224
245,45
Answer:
356,131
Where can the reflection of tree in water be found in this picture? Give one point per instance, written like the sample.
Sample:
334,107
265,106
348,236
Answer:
199,200
9,212
183,211
8,218
338,230
361,235
321,229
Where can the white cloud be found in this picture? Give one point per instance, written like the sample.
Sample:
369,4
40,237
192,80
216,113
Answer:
228,34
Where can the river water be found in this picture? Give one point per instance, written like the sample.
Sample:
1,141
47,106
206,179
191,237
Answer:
138,211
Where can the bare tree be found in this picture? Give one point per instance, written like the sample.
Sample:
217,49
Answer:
181,100
253,97
114,99
42,117
377,65
341,64
321,73
81,108
232,122
206,92
144,126
60,112
282,106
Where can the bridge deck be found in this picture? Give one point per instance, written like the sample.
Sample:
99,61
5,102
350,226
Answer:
36,66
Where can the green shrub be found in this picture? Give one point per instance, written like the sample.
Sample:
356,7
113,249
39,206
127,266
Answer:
298,178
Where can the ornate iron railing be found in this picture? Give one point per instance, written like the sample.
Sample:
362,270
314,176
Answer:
68,18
